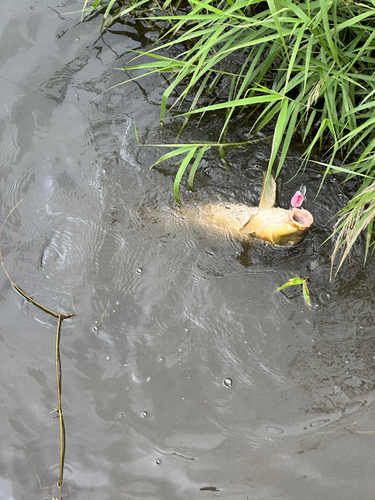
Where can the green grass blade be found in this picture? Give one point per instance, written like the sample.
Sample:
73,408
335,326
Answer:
279,132
324,11
239,102
294,111
195,166
291,282
306,294
121,13
171,154
181,171
368,238
296,48
275,16
108,10
222,156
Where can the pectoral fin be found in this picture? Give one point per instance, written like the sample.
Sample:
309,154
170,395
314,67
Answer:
268,194
248,228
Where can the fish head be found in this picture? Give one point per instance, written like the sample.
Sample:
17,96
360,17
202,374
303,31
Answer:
278,226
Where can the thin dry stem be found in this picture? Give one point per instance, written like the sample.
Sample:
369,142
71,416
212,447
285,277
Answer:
60,317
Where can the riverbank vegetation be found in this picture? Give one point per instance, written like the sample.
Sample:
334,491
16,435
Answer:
304,67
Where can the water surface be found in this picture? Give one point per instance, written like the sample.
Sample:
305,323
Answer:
185,375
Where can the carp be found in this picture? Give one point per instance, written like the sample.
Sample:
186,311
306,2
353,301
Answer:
266,222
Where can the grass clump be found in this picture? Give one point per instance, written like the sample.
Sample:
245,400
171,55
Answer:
356,217
307,67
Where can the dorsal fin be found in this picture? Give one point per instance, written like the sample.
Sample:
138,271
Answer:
268,194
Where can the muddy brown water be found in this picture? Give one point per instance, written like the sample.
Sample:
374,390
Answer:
185,375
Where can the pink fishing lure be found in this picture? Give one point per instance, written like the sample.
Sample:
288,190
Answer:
297,199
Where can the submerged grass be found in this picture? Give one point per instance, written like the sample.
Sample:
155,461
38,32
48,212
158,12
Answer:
306,67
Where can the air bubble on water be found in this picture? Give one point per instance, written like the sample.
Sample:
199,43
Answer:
108,358
144,414
274,430
324,297
318,423
228,382
77,39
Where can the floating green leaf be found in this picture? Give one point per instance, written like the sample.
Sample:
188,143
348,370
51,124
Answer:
290,282
305,290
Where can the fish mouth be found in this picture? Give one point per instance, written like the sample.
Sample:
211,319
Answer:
301,217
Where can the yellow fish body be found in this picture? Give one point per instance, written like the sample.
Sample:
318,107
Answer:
266,222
